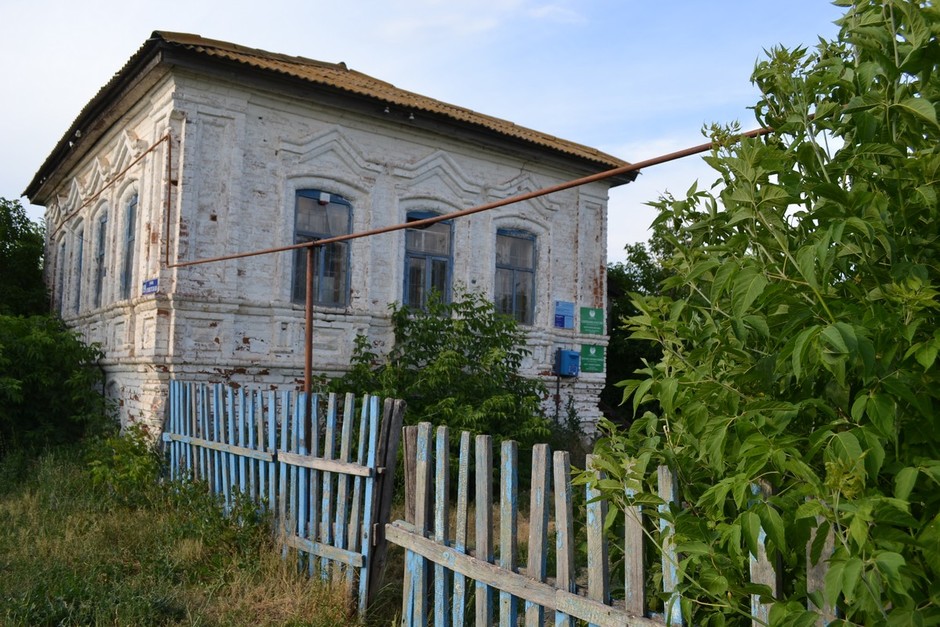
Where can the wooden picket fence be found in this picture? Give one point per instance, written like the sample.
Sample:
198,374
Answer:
444,571
327,479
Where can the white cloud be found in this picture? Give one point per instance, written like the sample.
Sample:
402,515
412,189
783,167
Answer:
621,76
557,13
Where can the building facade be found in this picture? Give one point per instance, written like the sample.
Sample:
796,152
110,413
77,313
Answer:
200,149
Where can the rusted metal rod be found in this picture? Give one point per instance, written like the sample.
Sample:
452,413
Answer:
310,246
111,181
308,350
626,169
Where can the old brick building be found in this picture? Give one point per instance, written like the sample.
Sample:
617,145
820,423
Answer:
200,148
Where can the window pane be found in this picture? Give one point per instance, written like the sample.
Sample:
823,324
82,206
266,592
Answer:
61,280
504,291
524,286
439,276
130,236
515,251
78,269
515,276
427,260
100,268
337,219
416,296
330,272
435,239
314,221
299,288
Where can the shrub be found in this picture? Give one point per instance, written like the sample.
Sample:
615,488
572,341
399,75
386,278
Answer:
127,465
800,342
21,241
455,364
49,384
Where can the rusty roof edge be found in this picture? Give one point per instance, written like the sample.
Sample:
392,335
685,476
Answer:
127,73
398,96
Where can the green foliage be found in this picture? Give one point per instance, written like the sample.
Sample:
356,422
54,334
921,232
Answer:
127,465
799,335
21,245
73,551
49,384
455,364
642,273
48,378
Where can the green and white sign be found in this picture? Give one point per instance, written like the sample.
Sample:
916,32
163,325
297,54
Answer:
592,358
592,321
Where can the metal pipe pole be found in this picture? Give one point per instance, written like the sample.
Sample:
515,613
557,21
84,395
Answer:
308,349
626,169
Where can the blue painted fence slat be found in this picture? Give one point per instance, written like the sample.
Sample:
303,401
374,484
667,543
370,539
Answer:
258,444
597,558
370,501
508,521
460,531
484,524
355,514
564,533
313,477
441,523
341,518
326,496
538,529
428,543
668,489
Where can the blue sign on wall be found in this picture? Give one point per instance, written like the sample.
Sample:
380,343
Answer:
564,314
150,286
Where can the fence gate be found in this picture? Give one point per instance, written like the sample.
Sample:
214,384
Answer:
328,481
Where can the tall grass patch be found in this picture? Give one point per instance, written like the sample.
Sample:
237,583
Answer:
79,547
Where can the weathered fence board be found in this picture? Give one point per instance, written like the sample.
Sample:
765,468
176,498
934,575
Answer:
439,560
668,488
497,574
263,446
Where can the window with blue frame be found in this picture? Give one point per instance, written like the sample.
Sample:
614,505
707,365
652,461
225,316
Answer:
100,248
79,253
514,291
60,280
320,215
428,260
130,239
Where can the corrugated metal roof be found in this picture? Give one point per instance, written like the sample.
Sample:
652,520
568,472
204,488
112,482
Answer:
338,76
335,76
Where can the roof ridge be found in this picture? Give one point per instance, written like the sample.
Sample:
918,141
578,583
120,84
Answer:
367,85
333,75
192,39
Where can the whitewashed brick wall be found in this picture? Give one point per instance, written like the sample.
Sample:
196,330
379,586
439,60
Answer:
238,157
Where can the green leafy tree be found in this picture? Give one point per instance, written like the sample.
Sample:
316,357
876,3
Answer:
641,273
49,379
21,246
799,346
455,364
49,384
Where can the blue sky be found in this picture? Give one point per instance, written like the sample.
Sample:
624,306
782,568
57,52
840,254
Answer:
635,78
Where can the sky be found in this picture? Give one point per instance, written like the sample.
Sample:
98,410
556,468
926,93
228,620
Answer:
634,78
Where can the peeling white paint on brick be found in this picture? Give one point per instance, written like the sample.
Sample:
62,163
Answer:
239,154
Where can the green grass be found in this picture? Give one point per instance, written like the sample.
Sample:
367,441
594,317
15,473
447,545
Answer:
76,551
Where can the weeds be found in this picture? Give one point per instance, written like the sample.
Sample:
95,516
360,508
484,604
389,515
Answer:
78,546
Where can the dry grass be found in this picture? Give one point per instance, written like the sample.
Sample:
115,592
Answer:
275,593
72,553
